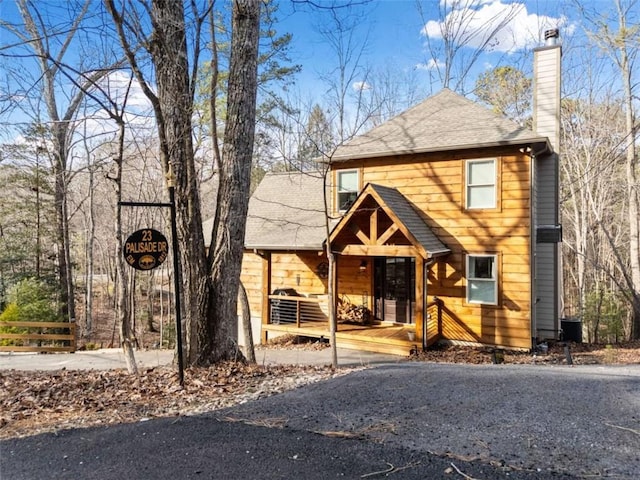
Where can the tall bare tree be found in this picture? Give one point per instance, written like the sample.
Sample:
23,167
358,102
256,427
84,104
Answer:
225,256
618,36
508,91
457,39
49,48
210,286
173,107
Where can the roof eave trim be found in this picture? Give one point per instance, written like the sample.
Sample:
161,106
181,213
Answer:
438,253
308,248
391,153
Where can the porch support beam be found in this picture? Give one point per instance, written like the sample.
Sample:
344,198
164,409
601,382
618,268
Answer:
373,226
360,234
387,234
419,313
380,250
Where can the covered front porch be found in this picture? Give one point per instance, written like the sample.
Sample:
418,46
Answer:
303,316
382,250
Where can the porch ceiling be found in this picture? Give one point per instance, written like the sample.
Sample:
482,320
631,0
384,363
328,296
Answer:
382,222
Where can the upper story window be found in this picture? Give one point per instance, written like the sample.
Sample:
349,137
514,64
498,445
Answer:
481,183
482,279
347,182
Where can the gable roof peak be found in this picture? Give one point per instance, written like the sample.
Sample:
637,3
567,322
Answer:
444,121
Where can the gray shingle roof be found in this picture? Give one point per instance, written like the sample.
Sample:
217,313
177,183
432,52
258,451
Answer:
444,121
404,211
286,212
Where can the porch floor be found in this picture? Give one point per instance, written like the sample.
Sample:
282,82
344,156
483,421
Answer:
380,338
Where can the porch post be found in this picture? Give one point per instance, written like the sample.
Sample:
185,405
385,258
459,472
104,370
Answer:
419,296
266,291
336,273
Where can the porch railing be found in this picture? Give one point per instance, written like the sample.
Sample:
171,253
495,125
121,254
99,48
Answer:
294,310
434,318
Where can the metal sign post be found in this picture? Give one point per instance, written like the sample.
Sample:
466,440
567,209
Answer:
147,249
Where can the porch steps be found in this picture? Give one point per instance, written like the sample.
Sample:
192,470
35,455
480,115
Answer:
390,348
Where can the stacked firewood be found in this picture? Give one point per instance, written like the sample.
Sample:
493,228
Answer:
355,314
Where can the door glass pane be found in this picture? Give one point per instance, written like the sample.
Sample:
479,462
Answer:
394,287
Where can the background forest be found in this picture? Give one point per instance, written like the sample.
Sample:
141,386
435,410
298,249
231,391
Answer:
86,97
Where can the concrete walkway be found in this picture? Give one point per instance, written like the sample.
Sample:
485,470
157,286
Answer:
105,359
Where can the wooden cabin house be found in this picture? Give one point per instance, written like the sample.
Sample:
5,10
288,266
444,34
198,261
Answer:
444,226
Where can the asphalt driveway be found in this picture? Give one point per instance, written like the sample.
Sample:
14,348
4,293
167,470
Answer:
423,420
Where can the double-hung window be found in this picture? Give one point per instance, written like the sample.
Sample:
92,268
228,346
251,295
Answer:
482,279
481,183
347,182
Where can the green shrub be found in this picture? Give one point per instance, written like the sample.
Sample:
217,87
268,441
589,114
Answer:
11,314
30,300
35,301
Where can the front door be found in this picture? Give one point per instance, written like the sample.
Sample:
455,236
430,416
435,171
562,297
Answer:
394,287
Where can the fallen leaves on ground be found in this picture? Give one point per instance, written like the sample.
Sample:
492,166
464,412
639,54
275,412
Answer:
556,354
37,402
294,342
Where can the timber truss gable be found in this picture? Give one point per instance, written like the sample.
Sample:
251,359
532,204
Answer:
382,222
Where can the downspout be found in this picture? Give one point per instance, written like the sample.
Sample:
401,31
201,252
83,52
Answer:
425,315
533,248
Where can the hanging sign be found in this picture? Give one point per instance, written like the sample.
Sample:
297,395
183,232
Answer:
145,249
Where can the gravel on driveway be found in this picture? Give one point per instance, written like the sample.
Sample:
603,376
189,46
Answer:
582,420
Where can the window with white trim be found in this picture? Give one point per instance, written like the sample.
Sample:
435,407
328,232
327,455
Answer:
481,183
347,182
482,279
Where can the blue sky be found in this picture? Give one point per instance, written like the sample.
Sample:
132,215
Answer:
396,32
396,36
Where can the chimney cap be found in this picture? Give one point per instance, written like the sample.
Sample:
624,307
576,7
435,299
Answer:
551,36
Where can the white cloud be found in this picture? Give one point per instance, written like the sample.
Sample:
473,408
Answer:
119,85
361,86
476,20
432,64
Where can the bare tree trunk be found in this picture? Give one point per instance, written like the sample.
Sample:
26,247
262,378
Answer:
633,188
173,108
151,290
91,232
51,63
219,338
621,47
123,305
243,299
123,312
